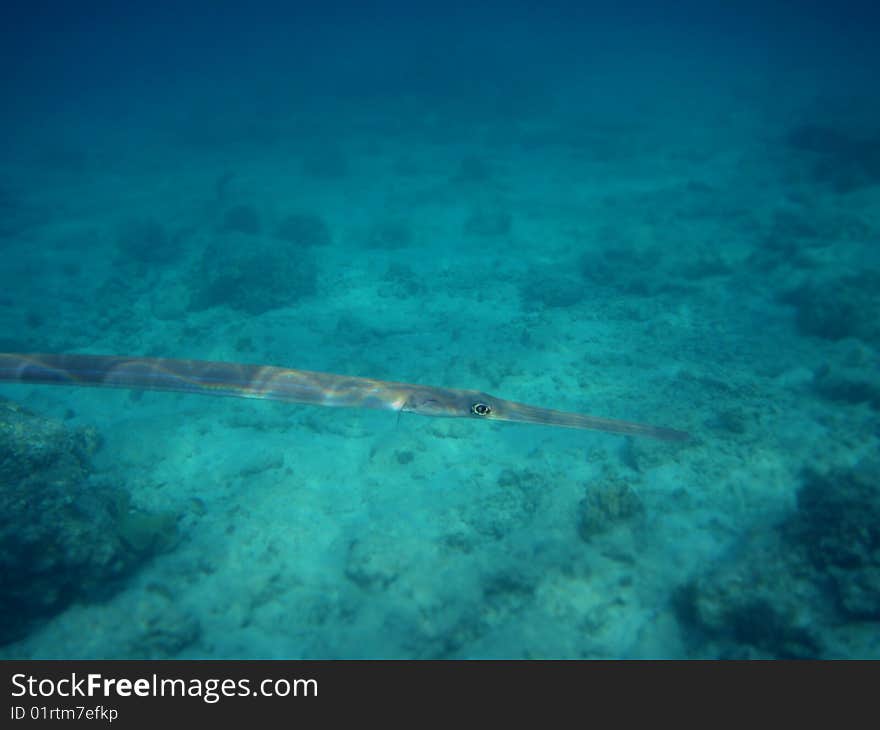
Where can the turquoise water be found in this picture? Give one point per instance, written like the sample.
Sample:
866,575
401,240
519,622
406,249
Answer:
659,215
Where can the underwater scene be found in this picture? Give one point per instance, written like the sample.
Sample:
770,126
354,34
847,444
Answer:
593,290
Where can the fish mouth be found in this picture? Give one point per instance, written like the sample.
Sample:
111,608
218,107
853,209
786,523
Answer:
522,413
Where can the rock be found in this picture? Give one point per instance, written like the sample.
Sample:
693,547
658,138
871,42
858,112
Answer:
838,526
63,537
801,589
251,275
605,505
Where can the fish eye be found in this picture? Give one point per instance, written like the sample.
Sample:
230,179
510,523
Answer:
481,409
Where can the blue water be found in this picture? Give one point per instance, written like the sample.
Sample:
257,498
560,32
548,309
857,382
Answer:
663,214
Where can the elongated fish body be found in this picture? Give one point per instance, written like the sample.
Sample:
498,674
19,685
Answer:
297,386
